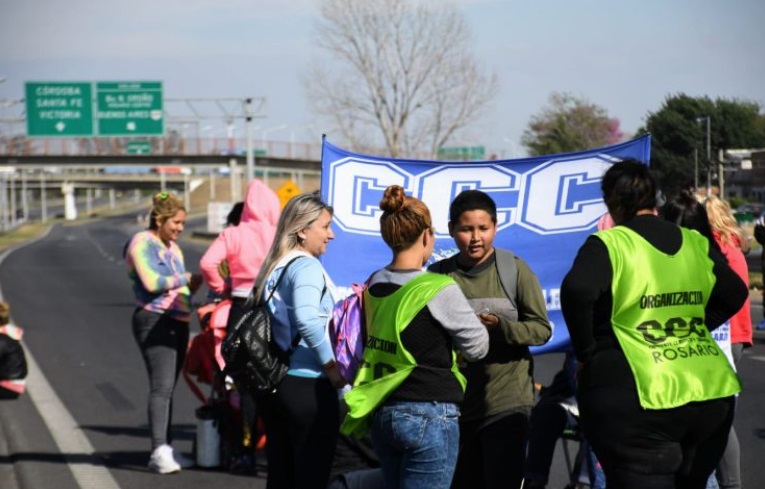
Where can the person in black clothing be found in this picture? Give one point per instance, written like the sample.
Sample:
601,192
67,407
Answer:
759,235
657,447
13,361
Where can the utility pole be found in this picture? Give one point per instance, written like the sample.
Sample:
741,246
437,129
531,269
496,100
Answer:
721,170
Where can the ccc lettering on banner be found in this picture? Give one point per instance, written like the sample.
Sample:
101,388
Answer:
556,197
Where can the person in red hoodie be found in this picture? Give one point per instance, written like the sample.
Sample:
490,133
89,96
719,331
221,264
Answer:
240,249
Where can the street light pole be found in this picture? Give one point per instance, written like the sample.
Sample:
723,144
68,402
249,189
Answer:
709,157
708,120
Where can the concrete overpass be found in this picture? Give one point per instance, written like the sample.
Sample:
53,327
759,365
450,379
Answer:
29,178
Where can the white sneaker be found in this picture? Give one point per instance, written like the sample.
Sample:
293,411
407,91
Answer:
162,461
182,460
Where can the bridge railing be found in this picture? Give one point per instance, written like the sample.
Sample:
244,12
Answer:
172,144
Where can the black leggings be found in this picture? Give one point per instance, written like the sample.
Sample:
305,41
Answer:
163,342
302,423
661,449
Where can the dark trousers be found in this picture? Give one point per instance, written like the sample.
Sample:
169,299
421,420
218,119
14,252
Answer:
548,420
302,424
163,342
661,449
492,456
729,468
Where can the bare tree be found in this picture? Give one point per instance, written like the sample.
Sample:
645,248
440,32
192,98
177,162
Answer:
402,75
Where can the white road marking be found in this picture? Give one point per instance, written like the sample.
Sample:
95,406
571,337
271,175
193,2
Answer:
66,433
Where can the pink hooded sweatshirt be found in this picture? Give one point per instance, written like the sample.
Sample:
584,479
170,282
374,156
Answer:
244,246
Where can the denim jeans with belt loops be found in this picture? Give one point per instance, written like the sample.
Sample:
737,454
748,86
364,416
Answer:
417,443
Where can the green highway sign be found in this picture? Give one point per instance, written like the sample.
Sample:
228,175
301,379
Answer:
463,153
138,147
129,109
59,109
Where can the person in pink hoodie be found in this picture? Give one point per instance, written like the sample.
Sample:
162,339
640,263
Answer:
242,249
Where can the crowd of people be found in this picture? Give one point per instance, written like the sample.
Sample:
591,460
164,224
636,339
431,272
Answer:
445,395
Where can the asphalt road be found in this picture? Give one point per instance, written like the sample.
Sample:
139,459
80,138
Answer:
71,294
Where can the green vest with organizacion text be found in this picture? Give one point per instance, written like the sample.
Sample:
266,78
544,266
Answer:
658,318
386,363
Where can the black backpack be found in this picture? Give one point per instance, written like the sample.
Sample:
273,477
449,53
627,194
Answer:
253,359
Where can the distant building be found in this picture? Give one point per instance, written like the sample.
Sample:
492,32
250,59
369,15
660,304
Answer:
745,174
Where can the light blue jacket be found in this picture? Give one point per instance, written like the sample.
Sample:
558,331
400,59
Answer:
302,305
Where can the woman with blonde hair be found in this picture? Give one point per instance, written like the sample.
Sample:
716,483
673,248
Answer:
162,289
733,244
302,417
409,386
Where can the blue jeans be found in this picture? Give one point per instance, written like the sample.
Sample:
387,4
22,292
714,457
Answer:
417,443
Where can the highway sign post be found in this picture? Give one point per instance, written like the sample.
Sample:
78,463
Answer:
59,109
129,109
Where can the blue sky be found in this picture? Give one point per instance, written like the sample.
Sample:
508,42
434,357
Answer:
624,56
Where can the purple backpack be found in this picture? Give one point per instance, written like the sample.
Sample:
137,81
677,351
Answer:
346,331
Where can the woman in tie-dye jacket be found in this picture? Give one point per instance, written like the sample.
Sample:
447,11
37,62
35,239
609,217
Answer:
163,290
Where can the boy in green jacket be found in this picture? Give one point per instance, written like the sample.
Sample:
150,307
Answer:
508,299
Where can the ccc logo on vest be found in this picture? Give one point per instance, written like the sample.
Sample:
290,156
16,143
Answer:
674,328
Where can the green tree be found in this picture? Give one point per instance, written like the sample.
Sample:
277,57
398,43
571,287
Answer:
679,136
569,124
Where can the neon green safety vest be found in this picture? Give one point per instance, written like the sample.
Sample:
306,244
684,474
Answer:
658,319
386,363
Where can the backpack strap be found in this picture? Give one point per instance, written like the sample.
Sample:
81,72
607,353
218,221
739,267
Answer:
260,302
281,276
506,269
508,273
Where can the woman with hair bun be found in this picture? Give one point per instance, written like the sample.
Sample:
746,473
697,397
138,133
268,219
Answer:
409,386
162,289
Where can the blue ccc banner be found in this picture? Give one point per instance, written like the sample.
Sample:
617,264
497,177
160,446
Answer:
546,208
